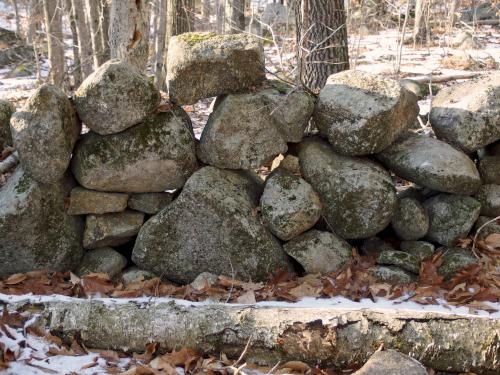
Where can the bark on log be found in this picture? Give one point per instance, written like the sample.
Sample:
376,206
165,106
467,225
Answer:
444,78
9,162
324,336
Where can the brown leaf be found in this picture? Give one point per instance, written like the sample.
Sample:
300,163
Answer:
184,357
15,279
296,366
493,240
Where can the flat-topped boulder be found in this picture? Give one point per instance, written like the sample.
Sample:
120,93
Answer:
115,97
358,195
154,156
6,111
362,113
213,226
467,115
44,132
431,163
202,65
35,230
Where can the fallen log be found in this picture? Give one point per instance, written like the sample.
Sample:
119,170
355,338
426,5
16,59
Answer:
320,335
443,78
9,162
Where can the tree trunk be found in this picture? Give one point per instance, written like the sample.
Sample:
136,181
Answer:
420,28
94,21
326,336
160,43
16,13
219,12
53,26
33,9
84,39
322,45
205,10
105,16
235,16
452,17
129,31
77,65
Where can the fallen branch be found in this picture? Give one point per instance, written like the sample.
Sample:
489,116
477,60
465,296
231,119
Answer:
323,336
10,162
443,78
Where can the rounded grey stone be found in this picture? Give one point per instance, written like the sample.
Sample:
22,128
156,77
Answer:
455,259
401,259
393,275
489,197
133,275
391,362
103,260
421,249
410,220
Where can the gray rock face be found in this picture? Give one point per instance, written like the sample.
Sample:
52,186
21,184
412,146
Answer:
319,252
83,201
451,217
115,97
467,115
6,111
202,65
154,156
102,260
358,195
362,113
149,203
212,227
289,205
455,259
241,134
489,197
401,259
421,249
391,362
111,229
489,168
410,220
44,132
393,275
432,163
35,230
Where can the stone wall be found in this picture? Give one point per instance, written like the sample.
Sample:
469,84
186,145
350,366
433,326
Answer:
135,186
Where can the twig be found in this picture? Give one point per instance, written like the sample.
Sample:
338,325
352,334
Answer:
10,162
477,233
235,364
274,368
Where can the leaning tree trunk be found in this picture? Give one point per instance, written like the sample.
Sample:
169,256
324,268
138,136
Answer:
235,16
77,65
161,32
129,31
93,9
53,27
84,40
322,47
322,336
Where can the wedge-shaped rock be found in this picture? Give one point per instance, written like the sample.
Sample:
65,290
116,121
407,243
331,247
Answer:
451,217
115,97
213,226
83,201
467,115
289,205
432,163
44,132
154,156
103,260
111,229
6,111
35,231
202,65
362,113
358,195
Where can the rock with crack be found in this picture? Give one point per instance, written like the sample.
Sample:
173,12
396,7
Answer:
35,230
202,65
102,260
289,205
83,201
362,113
44,132
489,197
115,97
111,229
391,362
213,226
149,203
358,195
6,111
410,220
154,156
467,115
432,163
451,217
319,252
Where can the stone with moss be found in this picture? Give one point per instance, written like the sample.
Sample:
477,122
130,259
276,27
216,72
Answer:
489,168
115,97
102,260
35,230
432,163
410,220
83,201
454,259
213,226
489,197
44,132
154,156
362,113
467,114
451,217
401,259
358,195
289,205
421,249
6,111
319,252
202,65
393,275
150,203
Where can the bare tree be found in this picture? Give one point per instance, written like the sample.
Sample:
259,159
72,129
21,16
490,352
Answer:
104,20
84,39
129,31
235,16
322,47
34,9
16,13
77,66
53,27
93,8
420,27
206,10
160,42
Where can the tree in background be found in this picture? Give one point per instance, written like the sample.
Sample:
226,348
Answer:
53,26
235,16
84,39
322,46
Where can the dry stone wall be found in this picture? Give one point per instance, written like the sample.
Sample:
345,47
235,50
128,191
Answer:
138,189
